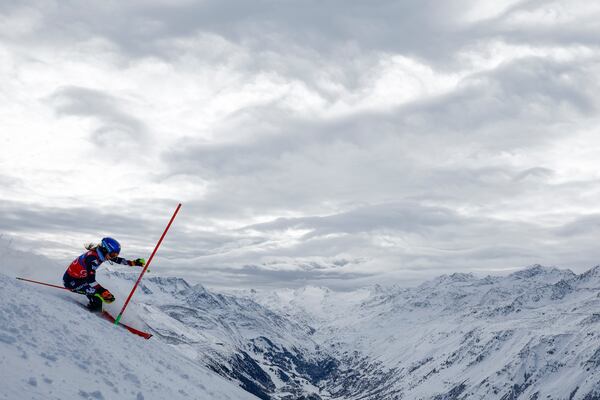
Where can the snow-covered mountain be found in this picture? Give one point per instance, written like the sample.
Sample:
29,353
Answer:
529,335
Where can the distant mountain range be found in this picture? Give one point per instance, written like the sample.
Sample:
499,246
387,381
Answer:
533,334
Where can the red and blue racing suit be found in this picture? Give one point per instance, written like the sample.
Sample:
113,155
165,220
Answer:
80,277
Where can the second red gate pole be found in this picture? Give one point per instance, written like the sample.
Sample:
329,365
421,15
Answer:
147,265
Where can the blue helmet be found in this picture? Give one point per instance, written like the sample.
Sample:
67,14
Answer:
110,246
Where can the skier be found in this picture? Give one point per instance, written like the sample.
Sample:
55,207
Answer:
80,277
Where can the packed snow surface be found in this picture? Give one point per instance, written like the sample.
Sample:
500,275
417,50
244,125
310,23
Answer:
51,347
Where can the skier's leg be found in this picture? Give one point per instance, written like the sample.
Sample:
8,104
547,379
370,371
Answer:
94,292
82,286
77,285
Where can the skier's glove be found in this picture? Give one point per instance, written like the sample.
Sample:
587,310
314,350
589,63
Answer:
140,262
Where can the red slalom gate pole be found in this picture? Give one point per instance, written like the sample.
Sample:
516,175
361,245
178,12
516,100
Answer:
42,283
147,265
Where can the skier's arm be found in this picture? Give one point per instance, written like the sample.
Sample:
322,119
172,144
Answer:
140,262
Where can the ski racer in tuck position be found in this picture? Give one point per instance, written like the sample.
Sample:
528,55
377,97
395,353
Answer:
80,277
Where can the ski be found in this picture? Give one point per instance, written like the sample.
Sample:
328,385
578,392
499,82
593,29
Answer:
110,318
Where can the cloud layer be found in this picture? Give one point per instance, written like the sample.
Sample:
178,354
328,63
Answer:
338,143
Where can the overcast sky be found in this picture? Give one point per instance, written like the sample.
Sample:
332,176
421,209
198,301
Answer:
335,143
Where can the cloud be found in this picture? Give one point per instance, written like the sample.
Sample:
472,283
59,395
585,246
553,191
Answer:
61,231
456,144
534,173
9,181
403,217
582,226
407,138
114,125
258,276
404,239
388,24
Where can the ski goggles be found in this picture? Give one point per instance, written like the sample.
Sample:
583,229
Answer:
112,254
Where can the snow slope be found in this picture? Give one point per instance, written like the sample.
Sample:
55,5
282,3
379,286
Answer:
52,348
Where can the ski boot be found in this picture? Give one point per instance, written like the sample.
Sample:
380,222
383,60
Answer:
95,304
105,296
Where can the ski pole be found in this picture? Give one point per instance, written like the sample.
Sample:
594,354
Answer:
147,265
42,283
